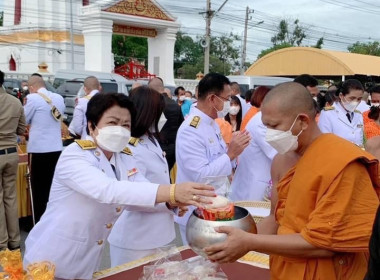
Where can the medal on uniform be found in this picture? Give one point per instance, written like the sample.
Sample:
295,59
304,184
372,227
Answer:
132,172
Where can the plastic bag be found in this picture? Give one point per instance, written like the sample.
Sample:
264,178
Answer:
195,268
220,183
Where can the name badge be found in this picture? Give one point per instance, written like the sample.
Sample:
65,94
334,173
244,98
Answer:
359,125
132,172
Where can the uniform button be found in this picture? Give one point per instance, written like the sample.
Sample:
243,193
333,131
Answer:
108,226
100,242
97,153
118,209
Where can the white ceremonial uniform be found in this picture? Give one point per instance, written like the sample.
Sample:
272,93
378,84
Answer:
334,120
150,230
45,132
200,152
85,200
79,122
252,174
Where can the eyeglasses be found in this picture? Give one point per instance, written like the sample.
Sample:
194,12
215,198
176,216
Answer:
224,98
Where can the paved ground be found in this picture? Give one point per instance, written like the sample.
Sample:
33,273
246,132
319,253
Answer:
106,263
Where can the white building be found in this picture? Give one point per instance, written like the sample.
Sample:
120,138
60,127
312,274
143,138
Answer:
37,32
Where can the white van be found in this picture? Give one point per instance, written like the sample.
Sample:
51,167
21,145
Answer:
250,82
110,82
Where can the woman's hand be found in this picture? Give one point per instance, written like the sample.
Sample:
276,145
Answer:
193,194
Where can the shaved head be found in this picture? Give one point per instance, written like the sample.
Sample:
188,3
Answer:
290,99
157,84
91,83
36,82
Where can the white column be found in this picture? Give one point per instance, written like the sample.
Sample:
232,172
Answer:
161,54
98,44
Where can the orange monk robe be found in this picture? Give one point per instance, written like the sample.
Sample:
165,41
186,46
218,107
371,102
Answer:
329,198
248,116
225,129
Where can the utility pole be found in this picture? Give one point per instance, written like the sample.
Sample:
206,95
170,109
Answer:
209,14
71,34
244,52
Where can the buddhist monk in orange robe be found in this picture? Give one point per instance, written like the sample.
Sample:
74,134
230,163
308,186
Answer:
325,203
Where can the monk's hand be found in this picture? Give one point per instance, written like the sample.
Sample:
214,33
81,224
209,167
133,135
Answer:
235,246
238,143
194,194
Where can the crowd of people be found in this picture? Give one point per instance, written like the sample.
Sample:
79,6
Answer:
142,163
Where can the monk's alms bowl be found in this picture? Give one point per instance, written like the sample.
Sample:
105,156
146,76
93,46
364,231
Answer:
200,233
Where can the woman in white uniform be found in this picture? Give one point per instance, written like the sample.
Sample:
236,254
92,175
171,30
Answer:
343,119
92,185
157,228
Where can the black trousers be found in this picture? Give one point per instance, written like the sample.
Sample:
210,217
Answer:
42,167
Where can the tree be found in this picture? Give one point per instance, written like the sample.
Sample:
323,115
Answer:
287,37
1,18
370,48
189,55
126,48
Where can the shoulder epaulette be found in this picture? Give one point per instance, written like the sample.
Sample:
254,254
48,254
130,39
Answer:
86,144
127,151
328,108
133,141
195,121
357,111
88,97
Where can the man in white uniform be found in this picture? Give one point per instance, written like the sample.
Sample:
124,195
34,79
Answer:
252,175
91,86
45,140
200,149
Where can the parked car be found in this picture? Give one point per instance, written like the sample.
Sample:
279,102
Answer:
13,87
69,90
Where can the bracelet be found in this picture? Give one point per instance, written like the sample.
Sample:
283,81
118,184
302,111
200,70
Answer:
172,195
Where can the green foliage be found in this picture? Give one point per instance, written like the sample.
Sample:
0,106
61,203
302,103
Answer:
189,55
125,48
289,37
1,18
370,48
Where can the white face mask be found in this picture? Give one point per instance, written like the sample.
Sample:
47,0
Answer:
234,110
349,106
188,98
113,138
315,98
375,104
182,98
25,88
282,141
225,110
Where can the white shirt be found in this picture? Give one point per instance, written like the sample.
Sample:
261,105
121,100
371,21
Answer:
334,120
85,201
45,132
79,122
252,174
200,151
157,228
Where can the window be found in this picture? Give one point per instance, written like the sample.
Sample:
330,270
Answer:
12,64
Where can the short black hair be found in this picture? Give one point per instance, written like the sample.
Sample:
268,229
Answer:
374,89
351,84
177,90
149,105
306,80
1,78
36,74
101,102
212,83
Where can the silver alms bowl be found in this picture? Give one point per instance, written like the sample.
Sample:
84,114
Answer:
200,233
